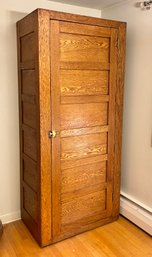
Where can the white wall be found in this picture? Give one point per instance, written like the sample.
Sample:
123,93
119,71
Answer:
10,12
137,127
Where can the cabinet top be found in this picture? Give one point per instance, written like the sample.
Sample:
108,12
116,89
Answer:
62,16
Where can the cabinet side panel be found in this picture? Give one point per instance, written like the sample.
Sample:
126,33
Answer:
118,119
43,34
29,120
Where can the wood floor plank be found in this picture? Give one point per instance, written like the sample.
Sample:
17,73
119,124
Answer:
118,239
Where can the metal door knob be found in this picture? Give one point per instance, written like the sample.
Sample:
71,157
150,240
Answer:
53,133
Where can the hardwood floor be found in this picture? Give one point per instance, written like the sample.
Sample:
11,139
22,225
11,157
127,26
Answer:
118,239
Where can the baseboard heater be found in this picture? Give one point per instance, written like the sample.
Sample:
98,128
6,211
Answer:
133,211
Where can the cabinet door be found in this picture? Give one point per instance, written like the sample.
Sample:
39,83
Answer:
83,87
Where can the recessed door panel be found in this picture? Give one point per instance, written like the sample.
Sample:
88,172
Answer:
83,68
83,48
83,115
83,82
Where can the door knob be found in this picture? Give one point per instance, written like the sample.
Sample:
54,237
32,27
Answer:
53,133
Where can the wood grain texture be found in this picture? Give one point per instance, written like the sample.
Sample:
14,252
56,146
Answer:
20,113
83,110
83,29
31,99
83,207
27,65
55,104
65,164
78,48
83,115
75,195
69,82
84,99
83,176
30,175
28,82
1,229
62,16
29,142
43,73
26,38
85,65
31,224
111,119
119,113
120,238
29,114
77,83
83,146
30,202
26,25
83,131
27,47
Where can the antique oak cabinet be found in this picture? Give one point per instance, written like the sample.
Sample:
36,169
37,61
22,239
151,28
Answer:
71,76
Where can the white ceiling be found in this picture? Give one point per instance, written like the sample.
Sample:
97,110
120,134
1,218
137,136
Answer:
96,4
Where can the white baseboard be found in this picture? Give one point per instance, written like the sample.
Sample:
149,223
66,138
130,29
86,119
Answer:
135,213
10,217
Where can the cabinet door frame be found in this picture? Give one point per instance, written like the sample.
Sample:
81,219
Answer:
112,195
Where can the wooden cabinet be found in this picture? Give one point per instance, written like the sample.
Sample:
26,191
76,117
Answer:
71,76
1,229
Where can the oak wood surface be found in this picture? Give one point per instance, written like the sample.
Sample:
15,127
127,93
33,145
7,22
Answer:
83,19
89,204
82,48
44,124
76,28
83,115
84,176
84,99
27,47
84,65
28,82
120,238
30,172
1,229
75,82
69,81
119,114
55,105
28,133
